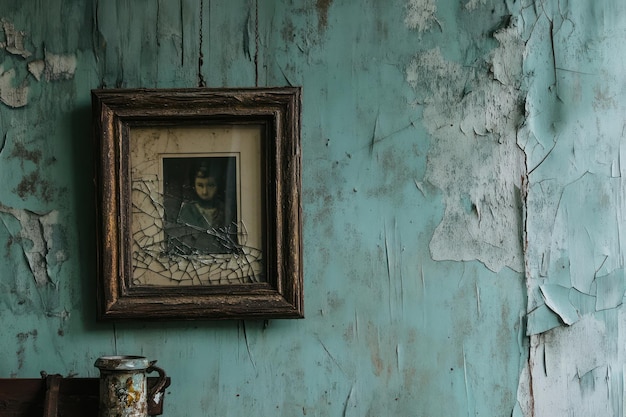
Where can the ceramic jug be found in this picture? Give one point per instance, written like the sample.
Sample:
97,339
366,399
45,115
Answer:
123,385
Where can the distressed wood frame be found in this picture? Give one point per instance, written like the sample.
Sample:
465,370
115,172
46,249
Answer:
115,112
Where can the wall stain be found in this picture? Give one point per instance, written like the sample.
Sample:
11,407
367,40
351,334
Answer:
34,185
20,151
22,338
322,7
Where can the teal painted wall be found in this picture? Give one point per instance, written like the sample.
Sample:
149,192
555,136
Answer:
462,201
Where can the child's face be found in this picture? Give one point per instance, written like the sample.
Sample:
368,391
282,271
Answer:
205,188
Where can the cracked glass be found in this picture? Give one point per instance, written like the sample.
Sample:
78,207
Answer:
196,205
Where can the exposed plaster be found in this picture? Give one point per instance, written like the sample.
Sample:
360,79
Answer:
14,40
473,4
9,94
575,263
59,66
420,14
54,67
36,238
474,160
577,375
36,68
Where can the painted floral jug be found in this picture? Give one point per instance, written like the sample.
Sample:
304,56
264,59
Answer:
123,385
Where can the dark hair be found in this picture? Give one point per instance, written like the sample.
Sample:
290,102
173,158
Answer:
204,170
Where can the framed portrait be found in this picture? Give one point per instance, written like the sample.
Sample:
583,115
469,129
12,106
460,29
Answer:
198,201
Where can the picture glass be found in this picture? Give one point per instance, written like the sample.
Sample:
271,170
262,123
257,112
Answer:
197,205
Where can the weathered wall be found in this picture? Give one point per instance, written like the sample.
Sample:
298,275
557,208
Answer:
461,166
573,139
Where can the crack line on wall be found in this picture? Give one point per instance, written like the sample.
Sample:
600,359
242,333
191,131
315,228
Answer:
201,81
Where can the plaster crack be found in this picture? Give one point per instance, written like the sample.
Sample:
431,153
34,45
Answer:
349,402
201,81
245,337
544,157
332,358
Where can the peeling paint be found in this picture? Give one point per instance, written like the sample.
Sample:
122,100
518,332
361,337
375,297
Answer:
14,40
573,141
557,299
546,107
421,14
475,160
59,66
11,95
575,367
54,67
36,240
36,68
474,4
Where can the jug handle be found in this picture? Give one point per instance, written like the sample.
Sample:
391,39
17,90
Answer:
159,384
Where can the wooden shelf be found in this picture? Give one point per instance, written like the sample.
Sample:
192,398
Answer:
55,396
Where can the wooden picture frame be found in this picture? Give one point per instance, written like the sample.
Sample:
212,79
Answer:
198,201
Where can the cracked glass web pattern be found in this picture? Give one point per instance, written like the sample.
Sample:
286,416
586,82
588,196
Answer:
168,252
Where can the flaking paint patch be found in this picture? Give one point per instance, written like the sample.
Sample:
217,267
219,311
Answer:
575,368
421,14
475,160
59,66
54,67
11,95
38,230
473,4
36,68
14,43
557,299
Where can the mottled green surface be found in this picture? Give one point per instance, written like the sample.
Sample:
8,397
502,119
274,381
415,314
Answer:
456,156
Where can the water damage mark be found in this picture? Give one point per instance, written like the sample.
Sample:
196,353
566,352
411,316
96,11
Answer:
473,114
20,151
322,7
35,183
22,338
